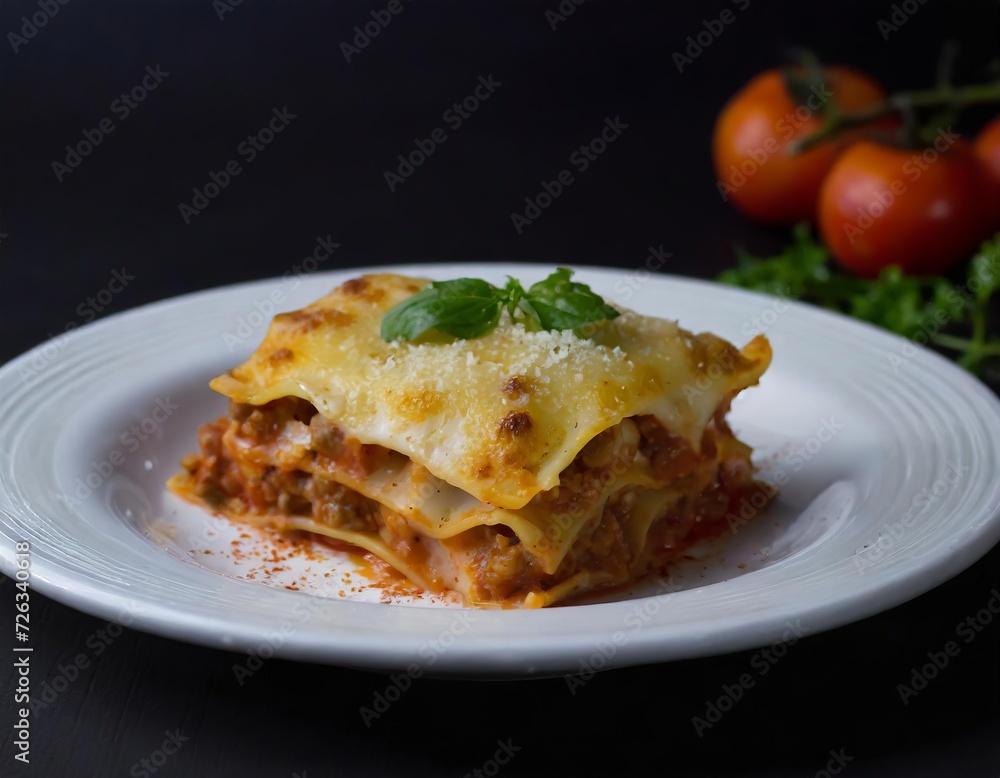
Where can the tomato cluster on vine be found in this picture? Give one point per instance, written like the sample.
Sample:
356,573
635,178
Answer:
827,145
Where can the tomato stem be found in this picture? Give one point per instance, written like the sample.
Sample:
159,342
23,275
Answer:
955,344
947,96
972,346
946,63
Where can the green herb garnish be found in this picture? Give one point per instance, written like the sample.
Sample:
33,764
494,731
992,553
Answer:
469,308
923,308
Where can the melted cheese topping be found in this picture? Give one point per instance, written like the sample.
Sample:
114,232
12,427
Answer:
498,417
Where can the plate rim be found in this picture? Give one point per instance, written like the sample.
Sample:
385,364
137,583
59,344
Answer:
465,655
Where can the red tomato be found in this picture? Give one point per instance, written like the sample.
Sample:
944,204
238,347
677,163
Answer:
988,148
922,210
750,143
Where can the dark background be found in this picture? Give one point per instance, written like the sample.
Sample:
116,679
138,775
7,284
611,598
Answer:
323,175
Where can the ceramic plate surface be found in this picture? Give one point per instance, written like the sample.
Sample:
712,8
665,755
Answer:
885,454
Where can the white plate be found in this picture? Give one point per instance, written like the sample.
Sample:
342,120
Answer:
890,453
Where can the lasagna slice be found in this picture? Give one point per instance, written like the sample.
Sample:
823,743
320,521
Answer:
518,468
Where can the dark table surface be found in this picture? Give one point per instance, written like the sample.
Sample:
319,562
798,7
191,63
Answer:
223,68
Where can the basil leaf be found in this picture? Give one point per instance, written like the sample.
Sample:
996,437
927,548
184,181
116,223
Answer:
411,318
470,308
463,308
468,312
514,293
561,304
